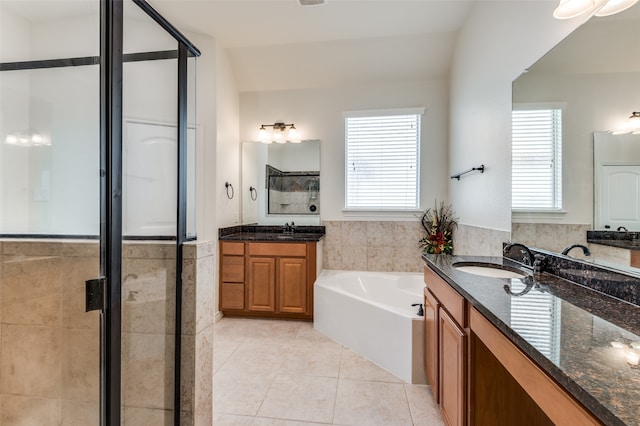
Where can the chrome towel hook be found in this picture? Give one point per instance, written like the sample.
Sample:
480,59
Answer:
253,193
230,193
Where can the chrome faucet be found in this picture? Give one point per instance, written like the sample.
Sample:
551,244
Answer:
622,228
527,255
567,249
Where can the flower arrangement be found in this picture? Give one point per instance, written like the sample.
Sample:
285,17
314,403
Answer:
439,223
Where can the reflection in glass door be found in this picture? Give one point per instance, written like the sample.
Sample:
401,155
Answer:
49,215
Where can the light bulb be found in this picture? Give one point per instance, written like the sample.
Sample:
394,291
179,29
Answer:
11,139
278,137
568,9
262,134
293,137
612,7
36,139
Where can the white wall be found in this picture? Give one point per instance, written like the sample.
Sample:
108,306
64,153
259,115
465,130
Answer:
498,41
318,114
227,142
593,102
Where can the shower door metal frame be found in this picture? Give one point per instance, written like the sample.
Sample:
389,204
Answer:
111,75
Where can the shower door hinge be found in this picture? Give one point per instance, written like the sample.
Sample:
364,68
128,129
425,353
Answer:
95,294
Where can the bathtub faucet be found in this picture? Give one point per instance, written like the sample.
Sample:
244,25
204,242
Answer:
420,310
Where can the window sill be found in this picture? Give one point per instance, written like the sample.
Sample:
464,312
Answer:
520,216
378,213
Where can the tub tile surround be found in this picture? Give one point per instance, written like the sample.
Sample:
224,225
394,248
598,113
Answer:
476,240
326,384
49,347
550,236
390,246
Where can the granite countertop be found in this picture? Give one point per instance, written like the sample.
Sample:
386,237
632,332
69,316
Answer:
271,233
620,239
572,333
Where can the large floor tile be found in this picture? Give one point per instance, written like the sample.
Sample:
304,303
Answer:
374,403
264,421
232,420
355,367
312,359
423,406
239,394
303,398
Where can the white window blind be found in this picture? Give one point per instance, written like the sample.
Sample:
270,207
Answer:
537,159
382,162
536,317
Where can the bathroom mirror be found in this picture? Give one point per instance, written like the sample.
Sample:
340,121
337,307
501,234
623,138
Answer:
594,75
281,183
616,167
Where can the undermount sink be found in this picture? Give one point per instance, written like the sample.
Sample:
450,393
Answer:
489,270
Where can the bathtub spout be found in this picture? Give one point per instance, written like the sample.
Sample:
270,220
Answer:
420,310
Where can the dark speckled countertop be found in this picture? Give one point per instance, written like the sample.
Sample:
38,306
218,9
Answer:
620,239
271,233
571,335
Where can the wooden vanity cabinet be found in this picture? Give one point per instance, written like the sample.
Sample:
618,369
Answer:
480,377
232,276
446,348
278,280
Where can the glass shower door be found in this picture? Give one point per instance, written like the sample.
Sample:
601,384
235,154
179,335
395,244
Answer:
49,213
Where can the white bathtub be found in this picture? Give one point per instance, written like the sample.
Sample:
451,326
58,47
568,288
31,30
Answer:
371,314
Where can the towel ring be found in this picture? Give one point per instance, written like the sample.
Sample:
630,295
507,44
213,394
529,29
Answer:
231,193
253,193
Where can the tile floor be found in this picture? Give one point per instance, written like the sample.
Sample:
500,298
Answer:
284,373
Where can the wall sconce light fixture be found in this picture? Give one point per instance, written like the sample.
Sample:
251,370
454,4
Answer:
29,138
568,9
279,133
632,126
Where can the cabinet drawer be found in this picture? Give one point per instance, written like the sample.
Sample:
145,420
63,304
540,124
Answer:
232,296
232,248
233,269
278,249
448,297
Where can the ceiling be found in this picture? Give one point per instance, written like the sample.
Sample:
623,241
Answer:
242,23
279,45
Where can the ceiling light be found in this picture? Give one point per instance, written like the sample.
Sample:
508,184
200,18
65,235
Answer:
311,2
568,9
615,6
278,133
27,138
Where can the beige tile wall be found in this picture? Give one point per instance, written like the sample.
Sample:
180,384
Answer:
550,236
476,240
390,246
49,347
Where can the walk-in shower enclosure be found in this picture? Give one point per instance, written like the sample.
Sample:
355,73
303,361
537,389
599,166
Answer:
97,147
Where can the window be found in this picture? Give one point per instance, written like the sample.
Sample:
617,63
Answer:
536,167
382,160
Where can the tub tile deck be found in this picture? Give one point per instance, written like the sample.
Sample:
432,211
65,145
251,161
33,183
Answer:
284,373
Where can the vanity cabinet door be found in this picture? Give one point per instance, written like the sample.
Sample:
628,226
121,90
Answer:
292,285
452,380
431,341
261,284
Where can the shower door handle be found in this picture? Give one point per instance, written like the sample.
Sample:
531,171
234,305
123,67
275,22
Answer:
94,293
